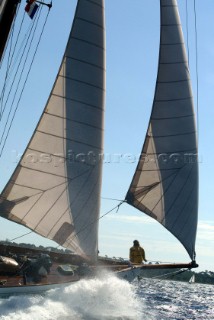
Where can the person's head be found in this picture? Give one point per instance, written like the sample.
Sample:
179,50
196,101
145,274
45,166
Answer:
136,243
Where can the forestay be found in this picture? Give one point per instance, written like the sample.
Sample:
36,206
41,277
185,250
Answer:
165,184
7,14
55,189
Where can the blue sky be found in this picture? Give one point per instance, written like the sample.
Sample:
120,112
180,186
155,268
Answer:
132,37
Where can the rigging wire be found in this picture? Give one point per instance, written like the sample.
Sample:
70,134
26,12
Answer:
196,66
7,76
24,83
166,275
31,35
12,27
187,29
21,236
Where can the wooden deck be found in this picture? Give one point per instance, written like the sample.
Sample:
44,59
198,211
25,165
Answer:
54,277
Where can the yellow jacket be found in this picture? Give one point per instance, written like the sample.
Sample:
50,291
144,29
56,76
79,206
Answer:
137,254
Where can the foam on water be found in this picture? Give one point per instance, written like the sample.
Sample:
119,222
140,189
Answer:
106,297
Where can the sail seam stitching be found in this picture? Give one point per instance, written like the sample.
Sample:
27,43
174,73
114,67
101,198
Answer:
88,42
90,22
67,139
86,62
164,100
172,44
28,187
97,4
176,62
174,81
172,152
83,82
57,156
171,25
80,122
79,101
173,135
180,117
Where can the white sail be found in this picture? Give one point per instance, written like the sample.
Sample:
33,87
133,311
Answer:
55,189
165,184
192,279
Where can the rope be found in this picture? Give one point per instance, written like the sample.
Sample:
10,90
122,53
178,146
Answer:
21,236
24,84
187,29
10,62
166,275
196,66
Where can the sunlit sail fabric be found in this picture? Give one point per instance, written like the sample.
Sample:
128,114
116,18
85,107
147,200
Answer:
165,184
7,13
55,189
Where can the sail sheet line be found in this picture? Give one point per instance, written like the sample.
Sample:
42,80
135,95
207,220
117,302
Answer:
99,218
68,139
79,101
86,62
75,121
82,82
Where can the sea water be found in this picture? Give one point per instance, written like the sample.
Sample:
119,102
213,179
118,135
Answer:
110,298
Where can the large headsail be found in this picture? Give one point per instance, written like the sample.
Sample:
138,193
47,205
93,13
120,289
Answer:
7,14
55,189
165,184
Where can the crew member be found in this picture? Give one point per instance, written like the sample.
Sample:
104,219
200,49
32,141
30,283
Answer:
137,253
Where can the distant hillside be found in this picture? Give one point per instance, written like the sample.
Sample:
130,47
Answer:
205,277
32,246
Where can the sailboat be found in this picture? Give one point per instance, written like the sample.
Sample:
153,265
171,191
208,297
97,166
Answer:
192,279
62,202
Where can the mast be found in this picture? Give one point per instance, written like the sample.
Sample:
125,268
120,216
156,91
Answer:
7,14
55,189
165,183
